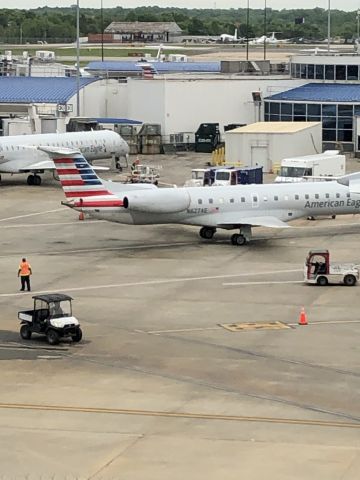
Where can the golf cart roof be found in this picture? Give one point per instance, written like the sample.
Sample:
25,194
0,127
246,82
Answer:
52,297
318,252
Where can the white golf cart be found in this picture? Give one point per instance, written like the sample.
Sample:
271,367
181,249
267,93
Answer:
319,271
51,316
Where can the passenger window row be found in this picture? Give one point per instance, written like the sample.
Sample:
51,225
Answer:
255,198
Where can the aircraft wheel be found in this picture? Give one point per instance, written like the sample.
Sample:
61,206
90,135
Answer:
238,239
349,280
25,332
30,180
207,233
37,180
322,281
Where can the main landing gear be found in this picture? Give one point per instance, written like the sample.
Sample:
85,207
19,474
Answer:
207,232
34,180
238,239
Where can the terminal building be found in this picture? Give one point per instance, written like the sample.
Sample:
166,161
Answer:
330,94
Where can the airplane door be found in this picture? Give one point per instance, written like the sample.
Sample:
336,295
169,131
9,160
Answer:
255,200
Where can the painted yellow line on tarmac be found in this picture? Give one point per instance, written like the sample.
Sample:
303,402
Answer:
166,414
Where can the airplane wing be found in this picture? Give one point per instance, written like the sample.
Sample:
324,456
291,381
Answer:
266,221
49,165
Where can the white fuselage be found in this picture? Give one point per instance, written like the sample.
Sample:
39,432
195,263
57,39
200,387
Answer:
230,206
18,153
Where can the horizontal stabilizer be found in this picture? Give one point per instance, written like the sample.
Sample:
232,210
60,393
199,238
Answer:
266,221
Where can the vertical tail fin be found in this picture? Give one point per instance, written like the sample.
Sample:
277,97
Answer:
82,187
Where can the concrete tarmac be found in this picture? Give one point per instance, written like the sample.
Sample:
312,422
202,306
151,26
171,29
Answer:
158,388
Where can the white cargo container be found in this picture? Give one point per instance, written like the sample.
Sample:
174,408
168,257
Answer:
265,144
298,169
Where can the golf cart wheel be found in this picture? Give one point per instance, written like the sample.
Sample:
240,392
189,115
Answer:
78,336
349,280
322,281
25,332
52,337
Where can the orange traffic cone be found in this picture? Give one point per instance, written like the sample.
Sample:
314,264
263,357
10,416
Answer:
303,317
81,216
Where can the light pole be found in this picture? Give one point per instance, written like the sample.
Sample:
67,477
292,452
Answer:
358,24
265,31
247,30
77,58
329,26
102,31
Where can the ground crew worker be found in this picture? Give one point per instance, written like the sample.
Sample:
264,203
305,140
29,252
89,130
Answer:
24,273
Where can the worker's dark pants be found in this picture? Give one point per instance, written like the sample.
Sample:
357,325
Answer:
25,280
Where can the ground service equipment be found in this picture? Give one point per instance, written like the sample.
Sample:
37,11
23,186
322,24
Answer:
319,271
51,316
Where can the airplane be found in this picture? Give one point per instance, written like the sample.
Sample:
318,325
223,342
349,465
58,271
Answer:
225,37
19,154
230,207
272,40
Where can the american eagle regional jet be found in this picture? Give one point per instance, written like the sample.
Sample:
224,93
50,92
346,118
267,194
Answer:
235,207
20,153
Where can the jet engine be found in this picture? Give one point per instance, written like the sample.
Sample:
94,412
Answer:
165,200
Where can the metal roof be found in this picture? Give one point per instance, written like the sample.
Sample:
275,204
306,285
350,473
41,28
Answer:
274,127
39,89
143,27
161,67
125,121
321,92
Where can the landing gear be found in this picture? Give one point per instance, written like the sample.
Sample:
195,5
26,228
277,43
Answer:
238,239
34,180
207,232
243,237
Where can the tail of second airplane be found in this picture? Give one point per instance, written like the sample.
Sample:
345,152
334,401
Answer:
82,187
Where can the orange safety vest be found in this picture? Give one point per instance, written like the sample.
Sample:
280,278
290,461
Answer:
24,268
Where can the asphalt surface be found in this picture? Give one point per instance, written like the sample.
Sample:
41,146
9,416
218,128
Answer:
159,388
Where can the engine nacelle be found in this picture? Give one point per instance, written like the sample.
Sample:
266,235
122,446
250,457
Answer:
160,200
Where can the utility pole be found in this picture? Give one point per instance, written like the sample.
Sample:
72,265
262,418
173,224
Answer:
358,24
247,30
77,58
329,26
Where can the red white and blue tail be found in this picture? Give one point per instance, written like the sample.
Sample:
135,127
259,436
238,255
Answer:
83,189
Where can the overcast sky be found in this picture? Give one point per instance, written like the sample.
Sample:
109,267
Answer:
276,4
